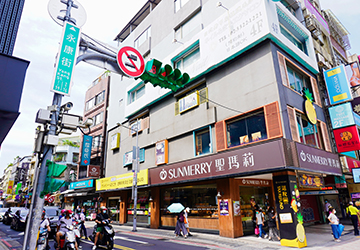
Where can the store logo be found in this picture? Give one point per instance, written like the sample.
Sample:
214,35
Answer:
303,156
163,174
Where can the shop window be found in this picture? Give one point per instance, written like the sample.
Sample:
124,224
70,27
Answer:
203,141
201,199
142,38
136,94
142,209
178,4
246,129
189,27
308,133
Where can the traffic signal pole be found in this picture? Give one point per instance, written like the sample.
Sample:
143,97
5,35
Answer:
37,202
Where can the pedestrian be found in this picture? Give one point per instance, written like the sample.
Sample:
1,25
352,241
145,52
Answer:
80,216
186,221
353,212
334,222
273,231
180,225
327,207
260,219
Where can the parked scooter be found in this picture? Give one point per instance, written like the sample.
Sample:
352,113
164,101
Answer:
77,230
106,238
42,240
68,241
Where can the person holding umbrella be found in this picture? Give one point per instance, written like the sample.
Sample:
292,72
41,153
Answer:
180,225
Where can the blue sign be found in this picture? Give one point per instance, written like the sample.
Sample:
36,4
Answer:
350,154
341,115
86,150
337,85
82,184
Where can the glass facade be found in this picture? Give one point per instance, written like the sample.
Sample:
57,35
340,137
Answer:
142,208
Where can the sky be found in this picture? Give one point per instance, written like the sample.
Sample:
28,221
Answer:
38,41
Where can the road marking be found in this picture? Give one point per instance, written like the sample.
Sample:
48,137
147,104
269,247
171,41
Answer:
115,245
127,239
6,243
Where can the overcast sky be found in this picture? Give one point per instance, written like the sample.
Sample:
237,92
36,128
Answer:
38,41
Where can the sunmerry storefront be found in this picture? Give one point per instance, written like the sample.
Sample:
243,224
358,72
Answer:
222,189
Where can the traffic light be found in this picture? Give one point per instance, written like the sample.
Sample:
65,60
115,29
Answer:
52,184
165,77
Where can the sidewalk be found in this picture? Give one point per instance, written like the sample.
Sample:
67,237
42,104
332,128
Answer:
318,237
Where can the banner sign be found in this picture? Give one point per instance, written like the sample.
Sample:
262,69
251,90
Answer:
93,171
161,152
122,181
82,184
337,85
246,159
347,139
311,181
128,157
86,150
289,210
316,159
115,141
341,115
224,207
352,163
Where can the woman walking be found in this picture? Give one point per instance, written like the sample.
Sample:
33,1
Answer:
334,222
273,232
260,222
180,225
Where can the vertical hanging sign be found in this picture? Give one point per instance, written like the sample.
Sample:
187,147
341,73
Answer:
66,59
86,150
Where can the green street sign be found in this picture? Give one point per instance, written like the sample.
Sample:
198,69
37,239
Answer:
66,59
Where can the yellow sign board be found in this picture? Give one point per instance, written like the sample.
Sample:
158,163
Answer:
10,187
122,181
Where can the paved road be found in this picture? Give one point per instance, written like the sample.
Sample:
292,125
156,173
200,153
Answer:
13,240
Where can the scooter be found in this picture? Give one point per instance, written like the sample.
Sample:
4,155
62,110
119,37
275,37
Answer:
68,242
77,230
106,238
42,240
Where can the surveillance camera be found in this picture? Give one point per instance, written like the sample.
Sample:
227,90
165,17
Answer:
88,122
67,106
218,4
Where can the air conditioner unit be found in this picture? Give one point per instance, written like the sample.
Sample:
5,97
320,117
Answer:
306,13
310,24
320,59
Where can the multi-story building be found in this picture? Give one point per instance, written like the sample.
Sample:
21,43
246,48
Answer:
96,103
249,129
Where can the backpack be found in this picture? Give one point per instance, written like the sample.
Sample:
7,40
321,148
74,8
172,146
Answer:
181,218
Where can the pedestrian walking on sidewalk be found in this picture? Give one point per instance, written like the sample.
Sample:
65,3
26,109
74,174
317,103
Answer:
334,222
273,231
186,220
260,219
353,212
180,225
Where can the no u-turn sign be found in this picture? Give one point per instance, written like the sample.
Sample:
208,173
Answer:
130,61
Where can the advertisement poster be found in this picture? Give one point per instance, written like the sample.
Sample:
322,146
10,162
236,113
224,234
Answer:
353,74
86,150
288,208
224,207
341,115
161,152
347,139
115,141
311,181
236,205
337,85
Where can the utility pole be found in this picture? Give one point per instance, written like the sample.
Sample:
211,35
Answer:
37,203
135,193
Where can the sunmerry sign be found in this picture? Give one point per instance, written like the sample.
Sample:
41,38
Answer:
82,184
247,159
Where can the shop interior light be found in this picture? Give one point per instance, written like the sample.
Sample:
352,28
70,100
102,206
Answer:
218,195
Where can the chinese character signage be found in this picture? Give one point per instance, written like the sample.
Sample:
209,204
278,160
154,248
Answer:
115,141
81,184
311,181
86,150
341,115
337,85
347,139
122,181
189,101
247,159
161,152
66,59
224,207
288,205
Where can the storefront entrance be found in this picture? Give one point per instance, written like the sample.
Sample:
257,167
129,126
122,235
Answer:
142,208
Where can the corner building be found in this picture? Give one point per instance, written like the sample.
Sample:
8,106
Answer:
236,135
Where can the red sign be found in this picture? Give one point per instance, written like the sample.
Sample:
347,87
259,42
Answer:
47,197
352,163
94,171
130,61
347,139
51,199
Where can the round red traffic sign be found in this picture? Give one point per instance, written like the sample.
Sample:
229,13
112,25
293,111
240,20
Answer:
130,61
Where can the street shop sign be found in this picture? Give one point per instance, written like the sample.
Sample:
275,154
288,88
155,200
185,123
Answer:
81,184
122,181
318,160
347,139
337,85
247,159
341,115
